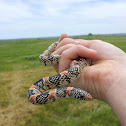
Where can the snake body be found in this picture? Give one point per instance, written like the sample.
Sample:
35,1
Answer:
38,94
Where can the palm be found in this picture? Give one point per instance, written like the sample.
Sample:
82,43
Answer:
98,77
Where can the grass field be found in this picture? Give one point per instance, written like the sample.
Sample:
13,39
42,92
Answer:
20,68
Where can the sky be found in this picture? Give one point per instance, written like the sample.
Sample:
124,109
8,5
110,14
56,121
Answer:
48,18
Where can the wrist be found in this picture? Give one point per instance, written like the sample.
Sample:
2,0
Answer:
115,97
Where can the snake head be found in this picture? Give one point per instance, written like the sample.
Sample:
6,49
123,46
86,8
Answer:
88,97
85,96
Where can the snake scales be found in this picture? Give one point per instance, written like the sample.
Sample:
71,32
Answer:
37,93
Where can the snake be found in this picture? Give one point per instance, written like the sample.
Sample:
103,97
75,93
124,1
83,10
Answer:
52,88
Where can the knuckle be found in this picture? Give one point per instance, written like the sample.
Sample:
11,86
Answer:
67,41
78,47
71,45
64,53
97,40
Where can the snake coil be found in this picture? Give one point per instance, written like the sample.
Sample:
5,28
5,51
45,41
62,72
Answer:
38,94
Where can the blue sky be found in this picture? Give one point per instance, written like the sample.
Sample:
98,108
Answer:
44,18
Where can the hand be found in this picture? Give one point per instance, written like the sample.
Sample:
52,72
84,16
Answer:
105,79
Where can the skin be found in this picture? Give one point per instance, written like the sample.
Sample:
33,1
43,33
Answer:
105,79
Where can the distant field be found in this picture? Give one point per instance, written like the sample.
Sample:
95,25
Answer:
20,68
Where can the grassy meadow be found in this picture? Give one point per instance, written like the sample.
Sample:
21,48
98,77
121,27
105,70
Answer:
20,68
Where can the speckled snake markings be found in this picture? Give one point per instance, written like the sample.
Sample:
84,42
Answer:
37,93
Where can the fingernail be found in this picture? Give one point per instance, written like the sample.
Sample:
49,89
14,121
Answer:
77,42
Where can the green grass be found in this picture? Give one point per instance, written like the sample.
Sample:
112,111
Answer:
20,68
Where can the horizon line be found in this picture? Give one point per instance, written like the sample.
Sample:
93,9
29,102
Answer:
27,38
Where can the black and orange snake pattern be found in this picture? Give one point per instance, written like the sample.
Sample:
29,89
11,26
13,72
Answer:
38,94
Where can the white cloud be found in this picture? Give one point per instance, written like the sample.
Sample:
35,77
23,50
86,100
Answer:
61,16
101,10
10,11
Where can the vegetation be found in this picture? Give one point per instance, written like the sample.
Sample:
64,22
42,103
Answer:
20,68
90,34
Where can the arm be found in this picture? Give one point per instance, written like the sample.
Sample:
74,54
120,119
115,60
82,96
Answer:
106,78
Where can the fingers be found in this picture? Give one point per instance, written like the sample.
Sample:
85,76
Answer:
68,54
62,48
65,41
63,35
72,49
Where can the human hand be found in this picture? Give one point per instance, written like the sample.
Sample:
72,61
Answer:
105,78
98,78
